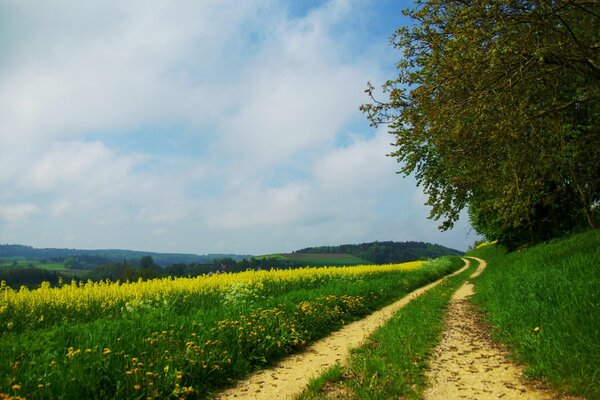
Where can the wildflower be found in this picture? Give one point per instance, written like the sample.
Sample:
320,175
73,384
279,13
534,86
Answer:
536,329
16,387
72,352
106,351
137,386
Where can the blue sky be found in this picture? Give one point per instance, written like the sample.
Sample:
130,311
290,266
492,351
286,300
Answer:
201,126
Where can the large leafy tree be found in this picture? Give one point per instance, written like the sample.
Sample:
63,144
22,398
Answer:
497,108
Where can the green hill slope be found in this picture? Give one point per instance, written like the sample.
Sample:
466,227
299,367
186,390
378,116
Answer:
544,303
316,259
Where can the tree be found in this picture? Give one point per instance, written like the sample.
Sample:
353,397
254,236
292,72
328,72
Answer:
497,108
146,262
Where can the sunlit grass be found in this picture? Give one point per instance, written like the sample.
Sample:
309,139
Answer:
545,304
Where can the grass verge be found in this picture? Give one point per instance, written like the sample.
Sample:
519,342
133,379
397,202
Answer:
393,362
544,303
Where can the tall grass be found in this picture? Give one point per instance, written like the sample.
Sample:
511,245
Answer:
545,304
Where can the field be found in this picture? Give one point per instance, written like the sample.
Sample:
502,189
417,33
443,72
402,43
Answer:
51,266
323,259
182,337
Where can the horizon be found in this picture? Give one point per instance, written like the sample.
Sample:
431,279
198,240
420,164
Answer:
211,253
200,126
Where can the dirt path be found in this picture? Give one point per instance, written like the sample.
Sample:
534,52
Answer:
467,364
291,376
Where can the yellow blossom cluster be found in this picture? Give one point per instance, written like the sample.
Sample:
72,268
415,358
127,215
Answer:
84,301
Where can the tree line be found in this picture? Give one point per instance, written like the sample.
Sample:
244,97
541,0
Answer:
387,251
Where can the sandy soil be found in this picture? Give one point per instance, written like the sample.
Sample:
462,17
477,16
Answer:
290,377
468,365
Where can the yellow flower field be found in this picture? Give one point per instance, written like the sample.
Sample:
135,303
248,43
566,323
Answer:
184,337
76,302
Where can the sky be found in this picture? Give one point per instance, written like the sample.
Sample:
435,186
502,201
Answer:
211,126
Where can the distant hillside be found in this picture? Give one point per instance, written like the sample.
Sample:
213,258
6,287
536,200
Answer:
310,259
16,251
386,252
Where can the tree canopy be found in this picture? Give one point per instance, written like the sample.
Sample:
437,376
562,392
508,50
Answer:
497,108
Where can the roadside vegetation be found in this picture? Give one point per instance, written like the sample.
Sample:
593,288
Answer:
544,303
393,362
184,337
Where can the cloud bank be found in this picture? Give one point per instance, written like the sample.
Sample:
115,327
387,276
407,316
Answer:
213,126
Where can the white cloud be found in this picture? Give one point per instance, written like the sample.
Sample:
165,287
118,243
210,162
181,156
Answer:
254,206
361,166
296,93
86,167
17,212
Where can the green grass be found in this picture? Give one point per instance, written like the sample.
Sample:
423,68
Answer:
554,287
188,351
50,266
317,259
33,264
392,363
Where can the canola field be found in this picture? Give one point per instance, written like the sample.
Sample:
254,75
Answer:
184,337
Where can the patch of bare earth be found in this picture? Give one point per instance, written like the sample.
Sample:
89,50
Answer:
291,376
467,364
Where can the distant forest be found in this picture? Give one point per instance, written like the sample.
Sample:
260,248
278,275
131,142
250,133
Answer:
98,257
387,252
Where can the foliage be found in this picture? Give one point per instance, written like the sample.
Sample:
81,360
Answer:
299,259
386,252
497,107
180,338
544,304
28,276
87,258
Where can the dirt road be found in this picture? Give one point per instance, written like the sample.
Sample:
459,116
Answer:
467,364
291,376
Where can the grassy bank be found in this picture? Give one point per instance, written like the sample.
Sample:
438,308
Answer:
544,303
392,363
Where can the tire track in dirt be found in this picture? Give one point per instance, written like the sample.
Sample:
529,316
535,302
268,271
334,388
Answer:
289,378
467,364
